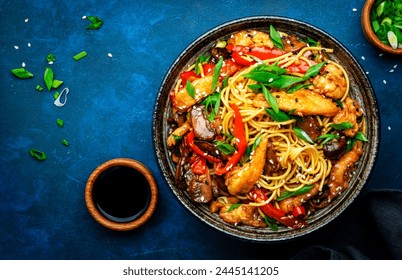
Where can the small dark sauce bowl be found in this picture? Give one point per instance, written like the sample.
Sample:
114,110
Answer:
143,206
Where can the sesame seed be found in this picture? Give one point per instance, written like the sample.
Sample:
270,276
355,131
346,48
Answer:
384,81
354,10
389,128
367,72
381,54
391,71
109,55
23,64
16,47
50,62
396,65
26,20
363,58
29,45
84,17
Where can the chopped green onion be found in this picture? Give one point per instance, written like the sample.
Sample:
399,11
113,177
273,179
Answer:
48,77
60,122
220,44
56,83
190,89
39,88
270,99
303,135
80,55
300,191
342,125
56,95
272,223
360,136
215,76
65,142
392,39
96,22
275,37
225,148
50,57
39,155
233,207
22,73
326,138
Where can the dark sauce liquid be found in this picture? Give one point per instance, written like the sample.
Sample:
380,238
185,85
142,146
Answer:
121,193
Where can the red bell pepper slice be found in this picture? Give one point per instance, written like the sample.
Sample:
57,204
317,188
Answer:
190,143
187,75
241,60
299,212
229,67
301,67
241,143
208,69
264,53
257,195
198,164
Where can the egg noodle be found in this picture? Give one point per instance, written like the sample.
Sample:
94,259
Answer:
304,163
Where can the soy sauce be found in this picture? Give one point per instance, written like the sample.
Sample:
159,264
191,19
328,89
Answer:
121,193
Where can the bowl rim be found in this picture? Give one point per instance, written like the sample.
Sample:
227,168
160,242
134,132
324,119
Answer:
369,33
160,146
121,226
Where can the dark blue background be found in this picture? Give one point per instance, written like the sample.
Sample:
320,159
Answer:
108,115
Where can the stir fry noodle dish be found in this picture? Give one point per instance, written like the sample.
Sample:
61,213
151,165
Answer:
263,130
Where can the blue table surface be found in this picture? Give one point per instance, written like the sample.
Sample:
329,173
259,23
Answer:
108,114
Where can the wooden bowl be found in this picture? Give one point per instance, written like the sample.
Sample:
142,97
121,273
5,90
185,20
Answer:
369,33
96,212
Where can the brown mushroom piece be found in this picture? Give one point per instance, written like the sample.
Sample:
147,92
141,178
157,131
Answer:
310,125
203,128
335,148
199,186
292,44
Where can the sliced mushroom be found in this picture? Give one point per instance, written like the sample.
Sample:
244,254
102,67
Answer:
203,128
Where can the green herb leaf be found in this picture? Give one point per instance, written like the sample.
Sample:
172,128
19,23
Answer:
285,81
272,223
297,87
50,57
275,37
233,207
60,122
302,135
256,142
349,144
56,83
360,136
342,125
326,138
22,73
80,55
177,137
190,89
39,155
217,71
48,78
96,22
198,65
270,99
313,70
287,194
261,76
225,148
279,116
65,142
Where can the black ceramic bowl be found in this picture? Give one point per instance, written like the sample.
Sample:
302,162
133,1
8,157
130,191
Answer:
360,89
